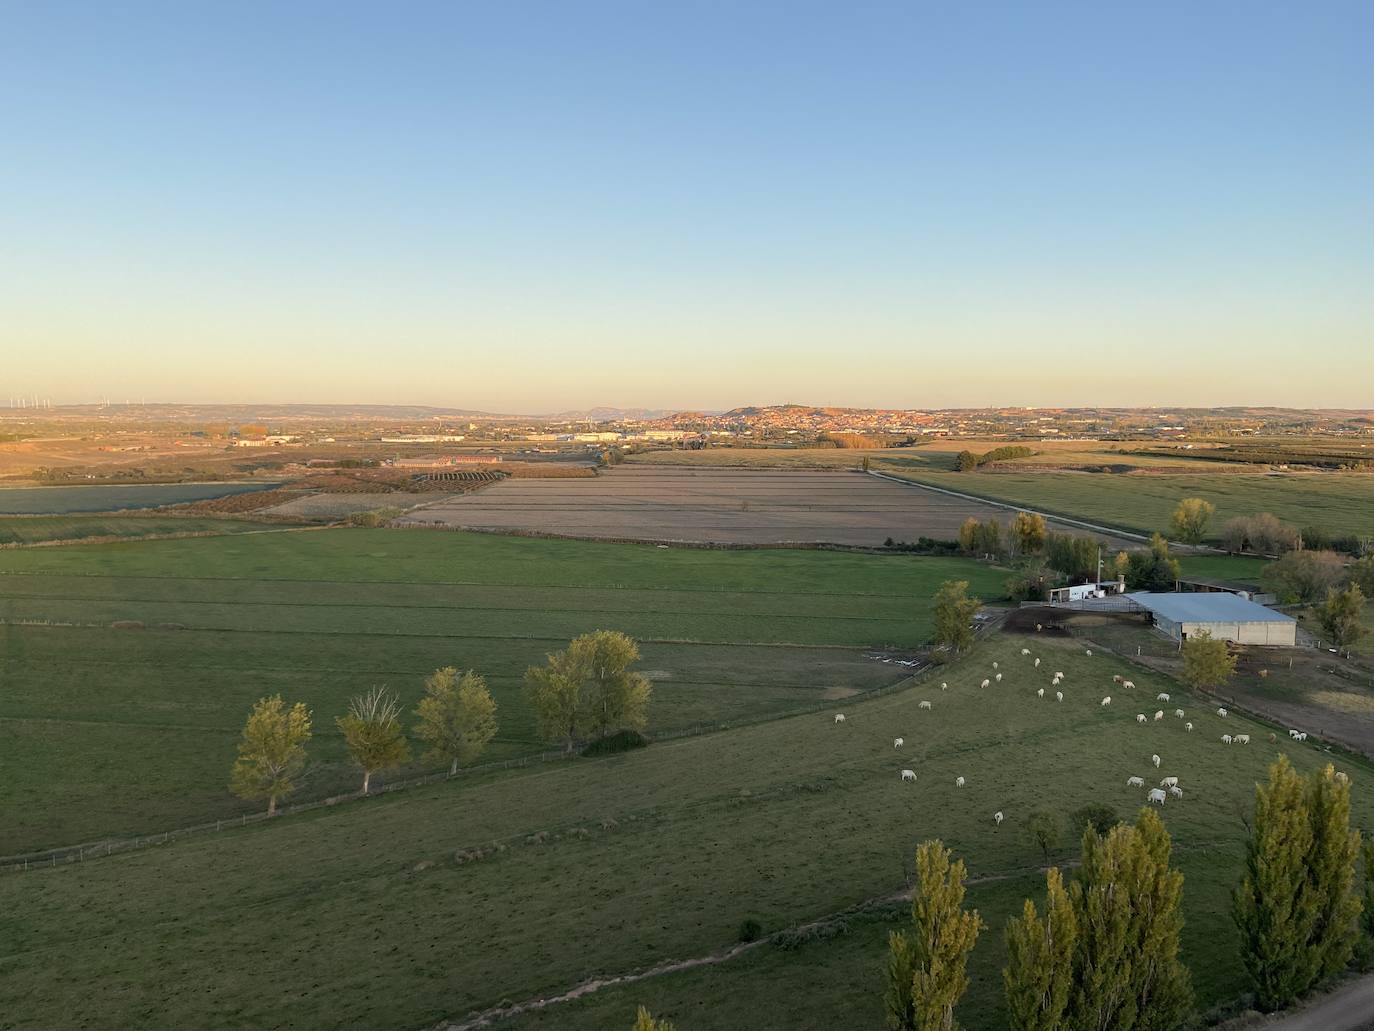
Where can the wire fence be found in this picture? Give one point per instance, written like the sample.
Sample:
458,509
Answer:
48,859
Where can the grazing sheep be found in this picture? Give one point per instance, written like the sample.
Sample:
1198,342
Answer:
1188,727
1135,782
1059,696
958,782
1178,713
1025,651
1155,759
1162,697
994,665
1059,675
1157,795
1293,734
1273,738
944,686
1140,717
1038,628
897,742
1088,652
1341,776
1176,791
1037,663
998,678
1302,735
1107,700
1159,715
1129,685
1116,679
909,775
839,717
997,817
985,683
1241,739
1169,782
1039,692
1222,713
925,704
1225,739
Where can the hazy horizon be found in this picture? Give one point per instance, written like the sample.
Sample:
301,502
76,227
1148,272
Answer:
516,209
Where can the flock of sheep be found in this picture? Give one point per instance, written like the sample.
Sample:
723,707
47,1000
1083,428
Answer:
1167,786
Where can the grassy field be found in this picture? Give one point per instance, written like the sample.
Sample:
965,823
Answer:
102,498
129,668
39,529
379,913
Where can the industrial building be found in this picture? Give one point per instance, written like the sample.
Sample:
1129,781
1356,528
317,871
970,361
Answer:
1226,617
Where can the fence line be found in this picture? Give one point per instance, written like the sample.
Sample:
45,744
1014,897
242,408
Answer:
66,854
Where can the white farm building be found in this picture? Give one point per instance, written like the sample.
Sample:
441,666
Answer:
1227,617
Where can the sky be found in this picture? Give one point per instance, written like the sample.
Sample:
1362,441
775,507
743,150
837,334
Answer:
535,207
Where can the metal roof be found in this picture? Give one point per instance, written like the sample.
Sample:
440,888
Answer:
1208,607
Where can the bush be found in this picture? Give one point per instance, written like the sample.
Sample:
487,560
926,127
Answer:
375,518
1101,818
620,741
750,930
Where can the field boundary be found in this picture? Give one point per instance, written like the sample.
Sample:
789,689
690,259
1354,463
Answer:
46,859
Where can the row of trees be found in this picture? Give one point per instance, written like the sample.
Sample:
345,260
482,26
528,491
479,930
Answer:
456,719
1103,952
1322,579
588,690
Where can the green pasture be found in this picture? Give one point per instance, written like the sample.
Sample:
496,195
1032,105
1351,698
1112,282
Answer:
40,529
116,497
128,669
1336,502
405,909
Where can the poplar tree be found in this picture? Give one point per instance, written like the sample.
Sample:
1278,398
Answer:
372,731
616,696
644,1021
1040,954
954,611
1331,876
1162,985
271,751
457,717
1272,907
1367,911
554,692
927,964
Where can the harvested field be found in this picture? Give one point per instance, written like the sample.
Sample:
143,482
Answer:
337,506
724,506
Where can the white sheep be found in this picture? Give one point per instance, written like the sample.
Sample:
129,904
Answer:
1157,795
1038,628
1135,782
924,704
909,775
1107,700
1129,685
1225,739
1116,679
1059,696
1159,715
839,717
1025,651
1039,692
944,686
897,742
1162,696
997,817
1222,713
1302,735
1037,662
1059,675
994,665
998,678
958,782
1169,782
1188,727
1342,777
1178,713
985,683
1088,652
1140,717
1242,739
1155,759
1176,791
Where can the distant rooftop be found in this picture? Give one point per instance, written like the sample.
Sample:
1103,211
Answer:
1214,607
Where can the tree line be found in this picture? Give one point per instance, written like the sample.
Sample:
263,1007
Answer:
1103,952
585,692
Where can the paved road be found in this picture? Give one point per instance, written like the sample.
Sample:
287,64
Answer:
1349,1009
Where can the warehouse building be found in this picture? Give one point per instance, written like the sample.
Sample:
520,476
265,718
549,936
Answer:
1227,617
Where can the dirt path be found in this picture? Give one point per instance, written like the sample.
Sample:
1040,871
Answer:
1346,1009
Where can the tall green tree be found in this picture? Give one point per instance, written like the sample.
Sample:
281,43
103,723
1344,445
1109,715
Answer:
1038,976
927,964
1162,985
617,697
271,751
1367,909
1028,532
372,731
1342,614
1207,663
1362,574
457,717
1190,519
1153,570
554,693
1272,907
954,611
1043,827
1331,875
1304,576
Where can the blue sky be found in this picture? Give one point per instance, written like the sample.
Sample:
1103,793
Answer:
530,207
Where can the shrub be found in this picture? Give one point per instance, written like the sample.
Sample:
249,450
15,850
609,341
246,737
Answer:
1101,818
620,741
750,930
